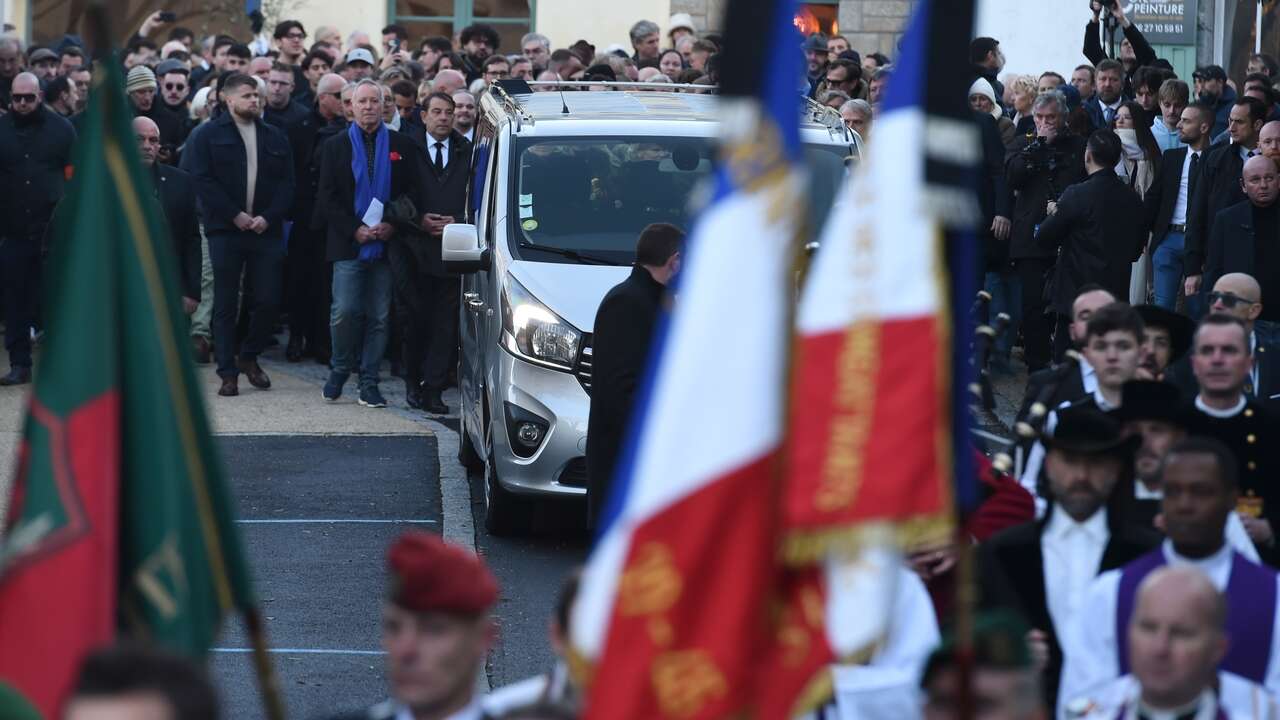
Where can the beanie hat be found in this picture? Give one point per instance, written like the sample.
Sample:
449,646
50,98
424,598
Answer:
140,78
983,88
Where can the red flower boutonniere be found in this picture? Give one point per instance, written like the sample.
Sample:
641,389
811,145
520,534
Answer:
395,156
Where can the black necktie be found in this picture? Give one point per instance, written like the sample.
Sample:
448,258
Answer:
439,157
1192,175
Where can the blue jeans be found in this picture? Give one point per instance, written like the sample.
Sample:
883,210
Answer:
1167,266
260,260
1006,297
358,317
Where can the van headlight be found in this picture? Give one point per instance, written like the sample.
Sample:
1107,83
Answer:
532,331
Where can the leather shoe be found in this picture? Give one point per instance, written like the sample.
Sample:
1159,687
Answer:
202,348
230,387
293,353
413,395
253,371
17,376
432,403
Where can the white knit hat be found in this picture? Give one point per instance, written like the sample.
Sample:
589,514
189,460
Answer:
982,87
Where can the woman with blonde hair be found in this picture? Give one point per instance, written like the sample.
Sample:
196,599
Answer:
1022,91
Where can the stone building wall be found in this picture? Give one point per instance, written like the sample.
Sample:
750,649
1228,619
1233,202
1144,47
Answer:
875,25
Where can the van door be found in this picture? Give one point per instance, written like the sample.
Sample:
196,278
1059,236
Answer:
471,355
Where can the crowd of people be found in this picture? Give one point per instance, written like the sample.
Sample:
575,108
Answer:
268,220
1127,558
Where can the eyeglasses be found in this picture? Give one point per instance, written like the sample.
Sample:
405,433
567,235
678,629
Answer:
1228,300
174,86
23,97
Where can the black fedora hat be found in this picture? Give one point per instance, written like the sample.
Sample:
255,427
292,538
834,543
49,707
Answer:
1180,327
1089,431
1150,400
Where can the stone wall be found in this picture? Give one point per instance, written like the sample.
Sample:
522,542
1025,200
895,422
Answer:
705,13
875,25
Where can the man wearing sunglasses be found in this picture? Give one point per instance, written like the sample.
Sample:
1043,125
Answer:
35,154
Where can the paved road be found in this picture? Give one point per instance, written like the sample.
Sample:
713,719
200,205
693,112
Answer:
317,512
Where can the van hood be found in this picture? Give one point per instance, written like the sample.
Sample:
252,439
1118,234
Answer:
571,291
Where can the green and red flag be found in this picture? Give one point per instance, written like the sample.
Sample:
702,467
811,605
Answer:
119,522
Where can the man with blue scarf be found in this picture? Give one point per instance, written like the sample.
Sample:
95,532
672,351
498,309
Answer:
361,172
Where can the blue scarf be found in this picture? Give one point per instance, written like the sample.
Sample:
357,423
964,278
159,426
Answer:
366,188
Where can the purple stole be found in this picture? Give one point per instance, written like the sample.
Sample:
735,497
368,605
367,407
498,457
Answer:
1251,604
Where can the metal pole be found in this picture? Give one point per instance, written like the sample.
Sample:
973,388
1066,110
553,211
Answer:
1257,30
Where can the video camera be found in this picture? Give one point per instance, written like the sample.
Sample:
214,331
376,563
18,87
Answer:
1040,155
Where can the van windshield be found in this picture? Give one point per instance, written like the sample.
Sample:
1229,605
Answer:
594,195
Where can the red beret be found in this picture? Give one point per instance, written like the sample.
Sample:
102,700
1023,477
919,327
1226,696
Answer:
428,574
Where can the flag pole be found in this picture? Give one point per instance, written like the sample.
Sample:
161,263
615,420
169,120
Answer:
1257,30
268,683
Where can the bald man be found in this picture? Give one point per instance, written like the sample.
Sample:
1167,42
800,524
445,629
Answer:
1177,638
1269,141
35,152
306,295
176,193
449,82
1234,243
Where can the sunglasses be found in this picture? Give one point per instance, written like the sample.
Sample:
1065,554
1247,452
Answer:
296,36
1228,300
23,97
174,86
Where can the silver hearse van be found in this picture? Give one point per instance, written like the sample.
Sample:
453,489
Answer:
563,184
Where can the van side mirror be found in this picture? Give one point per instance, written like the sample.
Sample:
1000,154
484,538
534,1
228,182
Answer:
460,249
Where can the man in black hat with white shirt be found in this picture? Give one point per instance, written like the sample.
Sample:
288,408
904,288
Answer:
1042,568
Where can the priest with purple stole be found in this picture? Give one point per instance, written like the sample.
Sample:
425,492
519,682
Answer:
1199,481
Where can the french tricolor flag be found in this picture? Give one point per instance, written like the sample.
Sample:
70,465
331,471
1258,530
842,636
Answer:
673,608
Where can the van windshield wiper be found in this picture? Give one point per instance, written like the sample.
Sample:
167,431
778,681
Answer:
571,254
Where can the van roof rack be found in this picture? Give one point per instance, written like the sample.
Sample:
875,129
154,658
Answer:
625,85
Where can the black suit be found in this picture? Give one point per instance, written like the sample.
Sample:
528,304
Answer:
1012,571
1099,228
335,201
1217,190
177,194
621,336
1163,193
1033,258
1232,246
426,296
307,271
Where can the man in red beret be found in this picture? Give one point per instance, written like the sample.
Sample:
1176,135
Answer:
436,630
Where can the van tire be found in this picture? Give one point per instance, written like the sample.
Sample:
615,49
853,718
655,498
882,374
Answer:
467,453
503,515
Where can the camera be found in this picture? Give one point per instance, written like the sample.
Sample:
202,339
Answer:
1106,4
1040,155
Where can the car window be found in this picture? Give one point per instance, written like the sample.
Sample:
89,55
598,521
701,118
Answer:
594,195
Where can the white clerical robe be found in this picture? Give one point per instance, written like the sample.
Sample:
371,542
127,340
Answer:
1090,645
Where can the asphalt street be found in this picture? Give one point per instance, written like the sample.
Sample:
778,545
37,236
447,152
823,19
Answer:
316,514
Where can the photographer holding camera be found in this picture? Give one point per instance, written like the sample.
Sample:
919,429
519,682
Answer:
1038,172
1135,51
